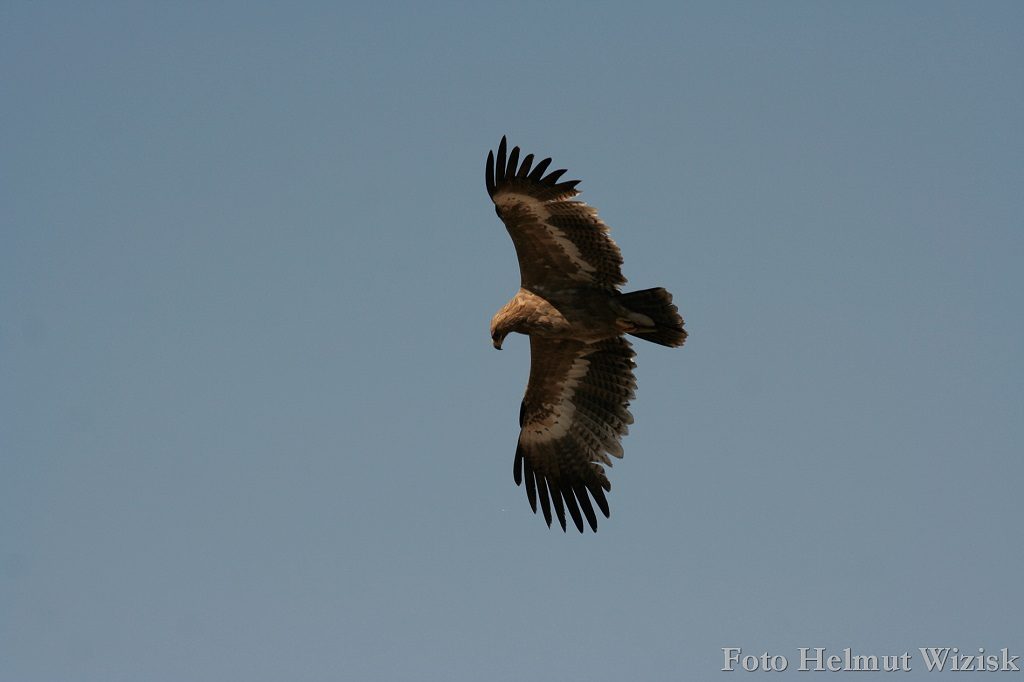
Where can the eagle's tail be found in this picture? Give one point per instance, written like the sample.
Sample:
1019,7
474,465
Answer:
651,315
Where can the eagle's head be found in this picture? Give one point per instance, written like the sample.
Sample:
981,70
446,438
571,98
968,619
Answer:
504,322
511,318
498,331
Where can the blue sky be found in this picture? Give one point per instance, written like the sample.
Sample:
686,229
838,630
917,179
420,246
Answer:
252,423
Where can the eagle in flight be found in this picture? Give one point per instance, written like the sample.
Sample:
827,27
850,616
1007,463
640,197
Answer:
575,410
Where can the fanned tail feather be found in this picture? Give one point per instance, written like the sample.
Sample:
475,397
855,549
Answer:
655,304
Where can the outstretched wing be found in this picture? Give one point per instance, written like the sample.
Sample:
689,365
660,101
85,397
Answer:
560,242
573,416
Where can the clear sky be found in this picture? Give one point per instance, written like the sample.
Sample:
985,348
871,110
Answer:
251,423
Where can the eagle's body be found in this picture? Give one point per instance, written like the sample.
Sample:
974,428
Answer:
575,410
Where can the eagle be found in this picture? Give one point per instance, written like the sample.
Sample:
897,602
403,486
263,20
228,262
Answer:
576,407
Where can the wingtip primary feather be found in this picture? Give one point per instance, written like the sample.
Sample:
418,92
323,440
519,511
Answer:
531,489
513,163
517,467
524,170
545,503
574,510
489,174
588,509
556,498
538,171
552,177
602,502
499,166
